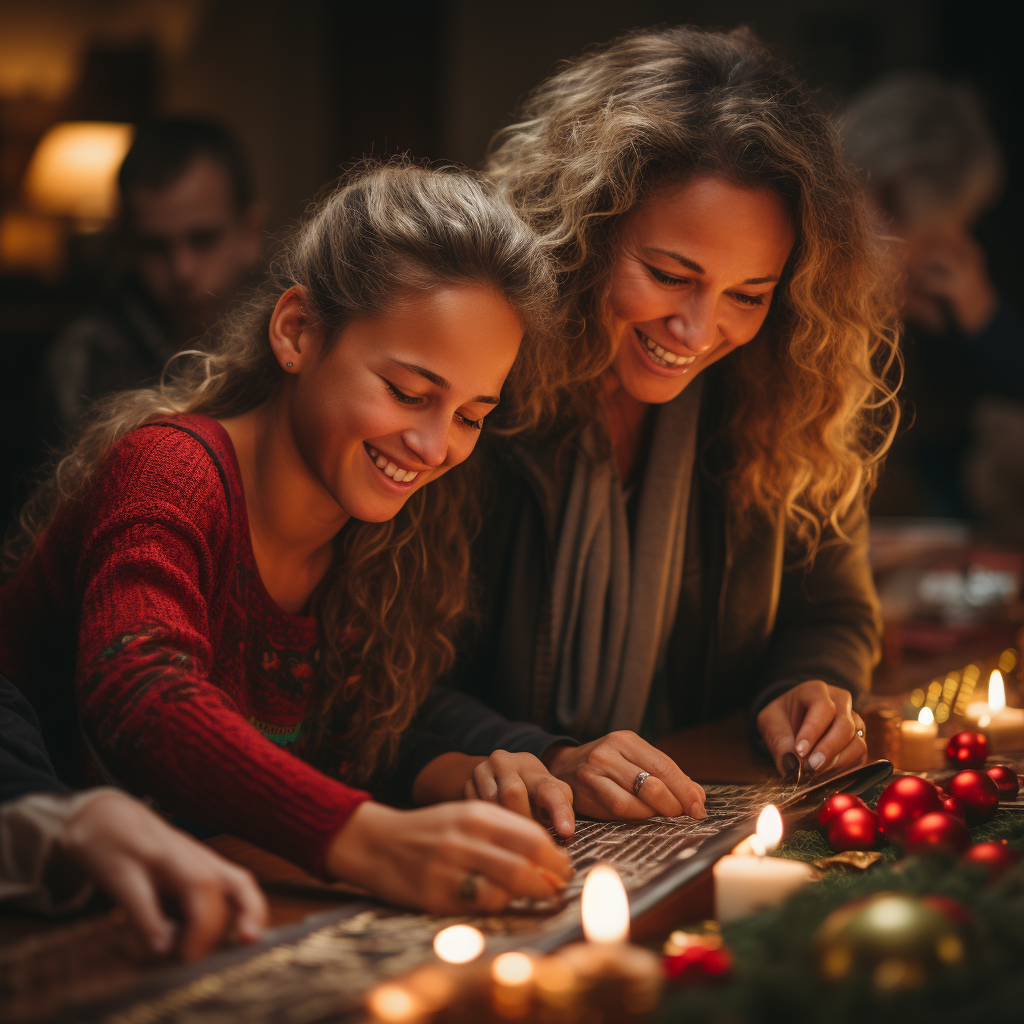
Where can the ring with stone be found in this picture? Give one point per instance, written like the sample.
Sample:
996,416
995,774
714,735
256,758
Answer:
467,889
639,781
860,733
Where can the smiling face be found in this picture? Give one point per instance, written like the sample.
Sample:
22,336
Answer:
695,273
398,400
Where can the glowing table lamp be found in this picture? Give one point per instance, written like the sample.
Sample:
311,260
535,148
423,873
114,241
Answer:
73,171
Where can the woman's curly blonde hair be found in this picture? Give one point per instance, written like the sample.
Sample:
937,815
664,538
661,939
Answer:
399,587
810,404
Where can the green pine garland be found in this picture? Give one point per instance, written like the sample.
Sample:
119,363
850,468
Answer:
775,979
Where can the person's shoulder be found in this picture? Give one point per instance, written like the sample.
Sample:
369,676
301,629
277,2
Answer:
185,460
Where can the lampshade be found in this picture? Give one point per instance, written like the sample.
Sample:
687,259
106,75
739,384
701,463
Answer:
73,171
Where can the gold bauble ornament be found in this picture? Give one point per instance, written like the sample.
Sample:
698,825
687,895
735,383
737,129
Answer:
895,940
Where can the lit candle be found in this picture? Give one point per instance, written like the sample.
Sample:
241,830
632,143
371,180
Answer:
458,944
1003,726
512,991
919,743
617,981
747,882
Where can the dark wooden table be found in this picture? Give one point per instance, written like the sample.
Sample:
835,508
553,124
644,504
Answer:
97,954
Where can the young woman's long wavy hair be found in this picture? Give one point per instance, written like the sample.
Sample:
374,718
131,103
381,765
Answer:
810,404
400,586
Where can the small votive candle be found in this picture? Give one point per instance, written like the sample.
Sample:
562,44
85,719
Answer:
1003,726
919,750
617,981
748,882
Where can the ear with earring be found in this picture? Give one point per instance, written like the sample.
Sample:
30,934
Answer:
287,364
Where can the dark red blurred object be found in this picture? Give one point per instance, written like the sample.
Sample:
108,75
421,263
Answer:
967,749
954,807
835,805
979,793
902,802
855,829
996,857
953,909
937,832
698,963
1006,781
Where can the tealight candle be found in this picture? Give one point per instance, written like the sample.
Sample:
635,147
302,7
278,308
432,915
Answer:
919,750
617,981
1003,726
747,882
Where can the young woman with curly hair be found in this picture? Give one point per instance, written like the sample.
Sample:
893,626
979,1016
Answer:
690,538
253,572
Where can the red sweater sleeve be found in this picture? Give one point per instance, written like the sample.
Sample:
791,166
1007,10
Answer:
143,660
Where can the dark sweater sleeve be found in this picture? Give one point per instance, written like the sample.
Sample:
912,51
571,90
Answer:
144,657
24,764
478,729
828,624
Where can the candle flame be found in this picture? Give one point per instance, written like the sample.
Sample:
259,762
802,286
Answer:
392,1004
604,906
996,691
458,944
512,969
769,829
926,717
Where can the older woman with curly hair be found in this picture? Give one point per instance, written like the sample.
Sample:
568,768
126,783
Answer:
689,537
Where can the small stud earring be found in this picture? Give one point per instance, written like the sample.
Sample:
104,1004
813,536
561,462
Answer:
287,364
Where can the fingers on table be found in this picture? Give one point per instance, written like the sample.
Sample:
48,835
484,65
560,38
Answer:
777,732
555,797
484,784
131,886
523,837
838,732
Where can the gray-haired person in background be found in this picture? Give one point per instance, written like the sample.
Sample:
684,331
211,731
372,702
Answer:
192,236
933,166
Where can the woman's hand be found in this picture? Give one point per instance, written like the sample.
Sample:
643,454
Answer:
816,723
453,858
602,775
135,857
521,783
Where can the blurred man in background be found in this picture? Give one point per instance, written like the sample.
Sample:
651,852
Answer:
932,166
193,235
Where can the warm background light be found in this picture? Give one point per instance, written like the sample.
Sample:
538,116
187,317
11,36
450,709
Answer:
73,171
459,944
604,906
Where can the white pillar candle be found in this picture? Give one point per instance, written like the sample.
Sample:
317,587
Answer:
746,883
1003,726
919,743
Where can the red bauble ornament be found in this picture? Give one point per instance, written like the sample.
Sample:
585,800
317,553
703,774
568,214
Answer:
937,832
855,829
996,857
902,802
967,749
954,807
835,805
698,963
1006,781
979,793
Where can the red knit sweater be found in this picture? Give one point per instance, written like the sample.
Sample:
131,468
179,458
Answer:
191,682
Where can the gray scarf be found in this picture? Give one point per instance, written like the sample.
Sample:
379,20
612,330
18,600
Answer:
613,604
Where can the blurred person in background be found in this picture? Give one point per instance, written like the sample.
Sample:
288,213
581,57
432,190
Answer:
193,235
932,166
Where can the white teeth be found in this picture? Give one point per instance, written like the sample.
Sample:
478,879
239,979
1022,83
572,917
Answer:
663,356
373,451
410,475
399,476
380,461
390,469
